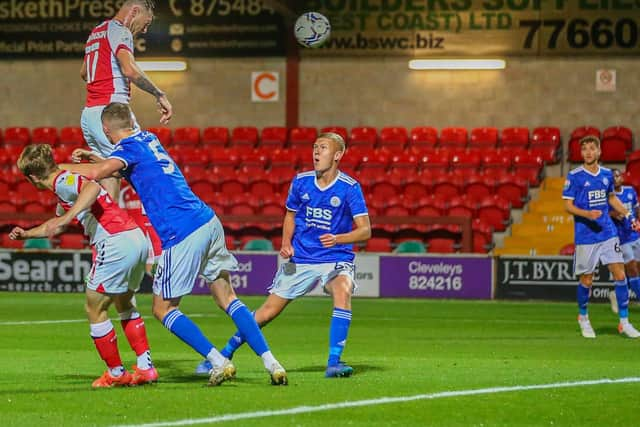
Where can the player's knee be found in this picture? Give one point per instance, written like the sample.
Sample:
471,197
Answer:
586,280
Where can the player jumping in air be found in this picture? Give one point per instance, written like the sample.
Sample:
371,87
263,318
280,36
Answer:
108,69
120,251
317,238
192,240
629,238
589,193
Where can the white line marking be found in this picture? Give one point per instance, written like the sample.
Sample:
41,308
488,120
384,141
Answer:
380,401
53,322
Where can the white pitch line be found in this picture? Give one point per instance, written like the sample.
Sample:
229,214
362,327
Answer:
53,322
380,401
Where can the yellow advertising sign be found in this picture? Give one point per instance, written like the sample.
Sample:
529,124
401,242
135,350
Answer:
480,27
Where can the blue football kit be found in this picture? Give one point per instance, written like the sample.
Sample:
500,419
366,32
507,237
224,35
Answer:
320,211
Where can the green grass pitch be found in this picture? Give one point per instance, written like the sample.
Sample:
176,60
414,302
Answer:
399,348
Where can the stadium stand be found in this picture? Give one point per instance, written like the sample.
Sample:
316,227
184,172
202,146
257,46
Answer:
480,174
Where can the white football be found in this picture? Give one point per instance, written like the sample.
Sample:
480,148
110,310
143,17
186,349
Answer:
312,29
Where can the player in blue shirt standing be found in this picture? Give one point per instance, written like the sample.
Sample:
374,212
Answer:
191,234
629,238
589,193
317,238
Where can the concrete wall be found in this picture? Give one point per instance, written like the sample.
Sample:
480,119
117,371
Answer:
347,92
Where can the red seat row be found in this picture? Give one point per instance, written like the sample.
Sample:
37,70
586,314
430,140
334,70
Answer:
616,143
279,136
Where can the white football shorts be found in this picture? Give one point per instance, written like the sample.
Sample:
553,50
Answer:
118,263
294,280
587,257
203,253
91,124
631,251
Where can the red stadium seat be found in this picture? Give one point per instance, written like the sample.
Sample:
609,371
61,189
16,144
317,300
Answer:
547,153
191,155
496,160
478,187
574,155
340,130
568,249
438,160
34,207
231,185
303,136
16,135
244,136
619,132
45,135
495,211
582,131
384,190
226,160
613,149
260,187
230,242
72,241
363,135
484,137
378,244
186,136
202,189
441,245
378,160
546,136
241,209
467,160
272,209
399,211
163,133
6,242
254,160
454,137
215,136
273,137
515,137
530,166
514,189
423,136
393,137
415,190
448,186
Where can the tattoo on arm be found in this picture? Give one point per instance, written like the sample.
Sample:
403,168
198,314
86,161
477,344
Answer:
143,82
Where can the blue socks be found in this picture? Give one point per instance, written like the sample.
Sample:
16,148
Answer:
622,295
247,329
340,322
634,284
583,298
182,327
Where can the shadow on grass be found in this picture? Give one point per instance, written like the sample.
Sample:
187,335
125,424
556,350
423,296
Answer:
357,368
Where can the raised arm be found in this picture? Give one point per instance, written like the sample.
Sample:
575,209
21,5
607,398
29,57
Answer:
132,71
96,171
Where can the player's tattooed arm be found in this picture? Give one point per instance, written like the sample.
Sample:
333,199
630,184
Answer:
132,71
